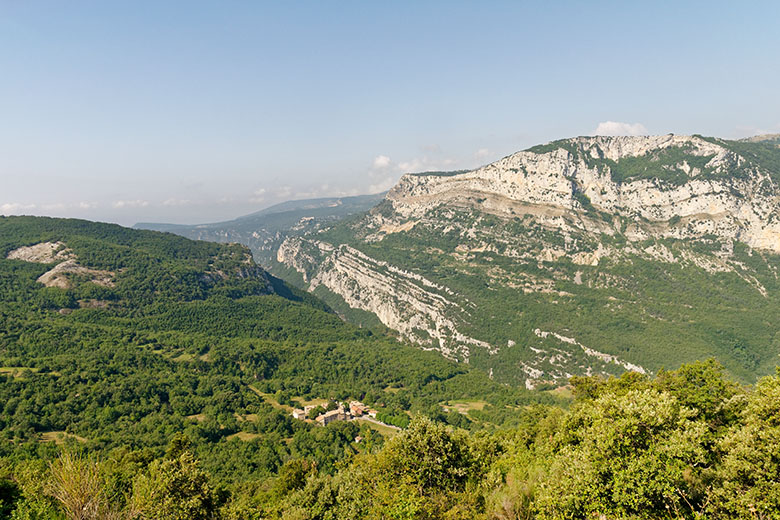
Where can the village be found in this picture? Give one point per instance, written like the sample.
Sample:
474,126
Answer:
340,412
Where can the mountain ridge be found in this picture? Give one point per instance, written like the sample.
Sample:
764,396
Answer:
576,223
579,176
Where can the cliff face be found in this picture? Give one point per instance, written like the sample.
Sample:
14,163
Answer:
705,197
526,264
417,308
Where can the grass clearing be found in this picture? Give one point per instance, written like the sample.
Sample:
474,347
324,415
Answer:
17,372
562,391
270,399
386,431
244,436
311,402
463,406
59,437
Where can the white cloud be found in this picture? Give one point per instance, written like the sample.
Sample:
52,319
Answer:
258,196
382,185
317,192
617,128
383,165
381,162
381,174
67,206
14,208
422,164
119,204
482,153
284,192
176,202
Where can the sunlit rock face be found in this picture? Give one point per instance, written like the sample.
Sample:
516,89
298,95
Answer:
707,197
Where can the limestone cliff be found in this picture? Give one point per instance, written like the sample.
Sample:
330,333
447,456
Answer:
581,175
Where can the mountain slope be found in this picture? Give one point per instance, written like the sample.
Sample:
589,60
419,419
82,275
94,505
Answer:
585,255
117,337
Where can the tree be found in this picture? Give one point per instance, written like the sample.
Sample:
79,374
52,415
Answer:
702,386
429,455
9,494
315,412
173,489
750,470
293,475
625,456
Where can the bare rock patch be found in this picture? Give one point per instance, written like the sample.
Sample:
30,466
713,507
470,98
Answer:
62,274
43,253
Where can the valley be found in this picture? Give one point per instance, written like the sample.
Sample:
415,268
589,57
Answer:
581,256
194,337
485,328
389,260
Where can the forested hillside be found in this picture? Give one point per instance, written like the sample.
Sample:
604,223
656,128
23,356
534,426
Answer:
114,342
147,376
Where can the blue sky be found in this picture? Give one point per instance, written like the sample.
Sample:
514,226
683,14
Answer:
201,111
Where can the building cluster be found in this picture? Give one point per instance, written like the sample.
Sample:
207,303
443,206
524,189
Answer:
342,412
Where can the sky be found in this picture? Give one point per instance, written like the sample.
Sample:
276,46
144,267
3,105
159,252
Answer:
193,112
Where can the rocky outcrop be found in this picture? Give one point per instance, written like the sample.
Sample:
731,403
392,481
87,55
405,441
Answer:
61,275
607,358
42,253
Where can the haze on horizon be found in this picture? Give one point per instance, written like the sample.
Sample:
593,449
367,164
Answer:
194,112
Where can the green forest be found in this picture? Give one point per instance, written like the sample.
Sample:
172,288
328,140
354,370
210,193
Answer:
686,444
162,389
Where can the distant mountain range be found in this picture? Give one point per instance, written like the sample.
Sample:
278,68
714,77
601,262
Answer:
265,230
766,138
